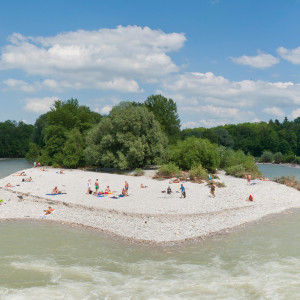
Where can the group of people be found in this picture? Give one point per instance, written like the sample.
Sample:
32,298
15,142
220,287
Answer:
107,191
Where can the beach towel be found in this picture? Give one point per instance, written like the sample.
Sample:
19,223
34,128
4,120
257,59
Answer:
54,194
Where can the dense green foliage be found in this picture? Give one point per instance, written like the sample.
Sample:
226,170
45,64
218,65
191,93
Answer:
165,112
193,151
129,138
14,138
61,133
254,138
135,134
169,170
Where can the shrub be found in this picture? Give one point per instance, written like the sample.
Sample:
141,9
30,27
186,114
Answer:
267,157
198,172
288,158
297,160
290,181
237,170
168,170
278,157
138,172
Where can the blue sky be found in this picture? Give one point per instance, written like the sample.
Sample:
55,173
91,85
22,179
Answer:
222,61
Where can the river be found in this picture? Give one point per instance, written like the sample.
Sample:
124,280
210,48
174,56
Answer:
50,261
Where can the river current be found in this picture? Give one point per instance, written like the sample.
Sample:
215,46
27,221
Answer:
50,261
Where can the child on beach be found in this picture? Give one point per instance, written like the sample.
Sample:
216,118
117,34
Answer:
212,190
183,194
169,191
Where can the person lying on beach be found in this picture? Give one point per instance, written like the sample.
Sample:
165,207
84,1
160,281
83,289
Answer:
19,174
8,185
27,179
250,198
143,186
212,190
49,211
55,191
107,190
42,169
169,191
61,172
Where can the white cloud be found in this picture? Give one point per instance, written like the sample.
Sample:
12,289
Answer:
260,61
106,59
216,99
295,113
275,111
39,105
106,109
293,56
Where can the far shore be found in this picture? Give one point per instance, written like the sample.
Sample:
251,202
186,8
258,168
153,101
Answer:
147,215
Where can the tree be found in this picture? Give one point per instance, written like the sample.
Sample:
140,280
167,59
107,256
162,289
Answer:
128,138
165,112
61,132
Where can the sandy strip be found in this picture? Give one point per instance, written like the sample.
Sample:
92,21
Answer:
147,215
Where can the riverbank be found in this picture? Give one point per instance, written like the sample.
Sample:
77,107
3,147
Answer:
147,215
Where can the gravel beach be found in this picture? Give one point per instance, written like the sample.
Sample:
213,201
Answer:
147,215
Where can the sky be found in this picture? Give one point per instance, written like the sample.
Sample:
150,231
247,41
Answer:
221,61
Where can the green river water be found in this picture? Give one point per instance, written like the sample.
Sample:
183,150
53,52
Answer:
41,260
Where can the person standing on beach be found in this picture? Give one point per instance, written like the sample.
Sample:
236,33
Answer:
126,188
96,186
212,190
183,194
249,178
89,187
34,164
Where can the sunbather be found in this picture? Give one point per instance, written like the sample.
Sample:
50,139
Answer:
49,211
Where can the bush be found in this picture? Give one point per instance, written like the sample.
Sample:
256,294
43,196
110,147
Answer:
278,157
193,151
297,160
237,171
198,172
288,158
138,172
267,157
169,170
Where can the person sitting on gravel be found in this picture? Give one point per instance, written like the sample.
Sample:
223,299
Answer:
107,190
55,191
143,186
250,198
169,191
123,194
8,185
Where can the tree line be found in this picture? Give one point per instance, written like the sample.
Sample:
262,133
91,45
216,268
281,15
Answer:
255,138
136,134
